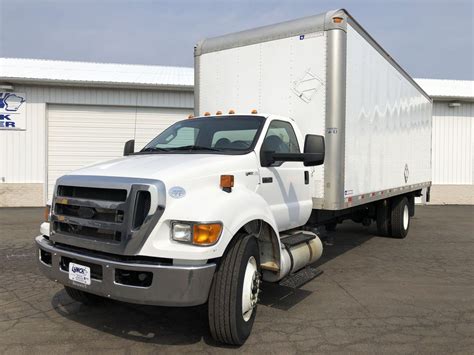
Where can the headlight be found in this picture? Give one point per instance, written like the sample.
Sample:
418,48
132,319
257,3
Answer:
182,232
203,234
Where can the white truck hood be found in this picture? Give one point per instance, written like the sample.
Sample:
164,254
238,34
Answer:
170,167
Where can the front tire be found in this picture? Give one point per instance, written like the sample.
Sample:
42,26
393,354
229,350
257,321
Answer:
234,293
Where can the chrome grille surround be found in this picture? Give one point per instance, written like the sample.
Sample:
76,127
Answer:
111,229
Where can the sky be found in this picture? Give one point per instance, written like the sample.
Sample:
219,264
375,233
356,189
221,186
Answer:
429,39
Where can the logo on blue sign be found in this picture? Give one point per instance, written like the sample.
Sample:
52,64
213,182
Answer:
11,110
11,102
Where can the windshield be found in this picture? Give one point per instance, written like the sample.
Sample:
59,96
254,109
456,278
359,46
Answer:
223,134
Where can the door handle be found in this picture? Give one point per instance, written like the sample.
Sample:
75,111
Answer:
306,177
267,180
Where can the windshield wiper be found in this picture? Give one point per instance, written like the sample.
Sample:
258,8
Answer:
154,149
195,147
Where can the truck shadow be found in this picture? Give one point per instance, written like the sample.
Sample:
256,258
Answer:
182,326
348,236
146,324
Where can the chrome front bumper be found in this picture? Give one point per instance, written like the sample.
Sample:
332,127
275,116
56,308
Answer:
171,285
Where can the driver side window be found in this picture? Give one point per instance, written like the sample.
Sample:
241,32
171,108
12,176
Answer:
280,138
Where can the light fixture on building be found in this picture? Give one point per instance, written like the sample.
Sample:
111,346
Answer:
454,104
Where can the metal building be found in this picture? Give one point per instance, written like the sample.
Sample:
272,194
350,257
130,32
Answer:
58,116
452,140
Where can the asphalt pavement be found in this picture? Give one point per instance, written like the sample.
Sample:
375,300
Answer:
376,296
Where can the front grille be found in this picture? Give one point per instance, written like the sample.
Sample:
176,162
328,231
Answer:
92,193
93,213
142,207
90,212
105,213
88,232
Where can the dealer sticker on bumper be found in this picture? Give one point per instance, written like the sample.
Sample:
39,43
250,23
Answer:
80,273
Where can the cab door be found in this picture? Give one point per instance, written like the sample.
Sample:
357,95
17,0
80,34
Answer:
285,185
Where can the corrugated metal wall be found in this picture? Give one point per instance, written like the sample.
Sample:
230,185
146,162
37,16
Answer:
452,146
23,153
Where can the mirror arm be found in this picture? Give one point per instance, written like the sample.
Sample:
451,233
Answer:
288,157
307,158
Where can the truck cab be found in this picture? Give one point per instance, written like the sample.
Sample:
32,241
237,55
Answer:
164,225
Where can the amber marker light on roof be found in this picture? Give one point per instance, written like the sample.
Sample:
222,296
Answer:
254,111
218,113
231,112
207,113
337,19
190,116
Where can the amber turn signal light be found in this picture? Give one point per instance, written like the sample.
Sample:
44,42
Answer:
47,211
337,19
206,234
227,181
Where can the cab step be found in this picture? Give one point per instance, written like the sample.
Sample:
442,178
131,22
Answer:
301,277
295,239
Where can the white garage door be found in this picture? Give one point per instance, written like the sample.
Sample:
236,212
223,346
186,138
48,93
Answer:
83,135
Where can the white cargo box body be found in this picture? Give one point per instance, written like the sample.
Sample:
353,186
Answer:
333,79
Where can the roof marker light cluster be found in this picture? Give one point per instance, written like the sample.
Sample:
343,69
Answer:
219,113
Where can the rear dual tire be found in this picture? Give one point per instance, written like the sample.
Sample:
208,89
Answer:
400,218
393,218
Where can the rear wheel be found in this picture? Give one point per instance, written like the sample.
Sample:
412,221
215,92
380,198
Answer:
234,293
383,218
83,297
400,218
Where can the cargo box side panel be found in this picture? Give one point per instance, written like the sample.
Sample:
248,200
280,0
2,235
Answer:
388,125
284,77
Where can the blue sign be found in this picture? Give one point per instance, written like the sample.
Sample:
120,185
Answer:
12,110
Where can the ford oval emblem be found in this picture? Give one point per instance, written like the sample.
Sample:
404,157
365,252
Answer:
177,192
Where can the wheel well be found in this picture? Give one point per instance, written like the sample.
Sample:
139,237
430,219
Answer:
268,241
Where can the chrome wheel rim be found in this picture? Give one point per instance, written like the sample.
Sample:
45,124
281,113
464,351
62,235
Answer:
250,289
406,217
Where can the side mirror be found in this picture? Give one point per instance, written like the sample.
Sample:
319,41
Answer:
314,150
313,153
129,147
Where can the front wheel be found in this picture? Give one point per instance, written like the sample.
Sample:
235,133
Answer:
234,293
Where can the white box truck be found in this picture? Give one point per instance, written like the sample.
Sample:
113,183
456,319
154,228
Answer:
320,125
